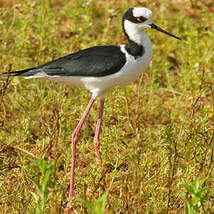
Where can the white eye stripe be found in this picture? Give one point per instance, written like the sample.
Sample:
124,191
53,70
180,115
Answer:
141,12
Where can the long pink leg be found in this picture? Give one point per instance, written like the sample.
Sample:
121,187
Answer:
75,136
97,133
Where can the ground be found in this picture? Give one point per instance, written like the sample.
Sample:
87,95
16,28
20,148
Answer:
157,134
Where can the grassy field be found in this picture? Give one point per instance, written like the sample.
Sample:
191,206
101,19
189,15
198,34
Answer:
158,132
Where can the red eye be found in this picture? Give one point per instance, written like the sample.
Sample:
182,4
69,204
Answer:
141,19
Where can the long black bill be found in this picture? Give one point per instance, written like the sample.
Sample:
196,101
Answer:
163,31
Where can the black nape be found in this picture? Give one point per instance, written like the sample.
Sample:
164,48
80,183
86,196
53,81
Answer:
134,49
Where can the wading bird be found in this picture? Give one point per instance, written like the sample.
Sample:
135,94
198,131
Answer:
101,68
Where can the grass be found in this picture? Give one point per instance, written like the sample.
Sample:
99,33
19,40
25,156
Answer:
42,183
198,196
157,134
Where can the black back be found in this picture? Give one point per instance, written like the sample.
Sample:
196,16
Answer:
96,61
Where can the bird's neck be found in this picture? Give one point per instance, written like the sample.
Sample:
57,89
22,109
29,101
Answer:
134,49
136,39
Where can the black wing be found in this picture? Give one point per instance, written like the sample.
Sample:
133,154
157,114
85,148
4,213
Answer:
96,61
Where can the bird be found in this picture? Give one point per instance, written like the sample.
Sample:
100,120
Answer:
99,69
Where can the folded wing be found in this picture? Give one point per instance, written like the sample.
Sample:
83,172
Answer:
96,61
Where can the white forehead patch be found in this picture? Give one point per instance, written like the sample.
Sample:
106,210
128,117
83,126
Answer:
142,11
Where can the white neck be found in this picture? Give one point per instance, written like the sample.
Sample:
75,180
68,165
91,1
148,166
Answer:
135,33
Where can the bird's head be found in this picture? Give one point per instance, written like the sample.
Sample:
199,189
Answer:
137,19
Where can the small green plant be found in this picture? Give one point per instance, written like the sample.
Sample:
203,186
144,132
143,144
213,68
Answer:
43,171
198,196
98,205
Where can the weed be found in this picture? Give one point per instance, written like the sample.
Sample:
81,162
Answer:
43,171
197,196
97,206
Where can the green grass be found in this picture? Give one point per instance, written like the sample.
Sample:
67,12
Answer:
157,133
42,183
198,196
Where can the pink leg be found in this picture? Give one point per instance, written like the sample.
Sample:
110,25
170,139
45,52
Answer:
97,133
75,136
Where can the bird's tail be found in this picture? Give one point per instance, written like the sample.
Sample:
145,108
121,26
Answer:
20,73
25,72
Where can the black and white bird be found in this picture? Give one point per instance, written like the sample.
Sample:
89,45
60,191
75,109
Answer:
101,68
